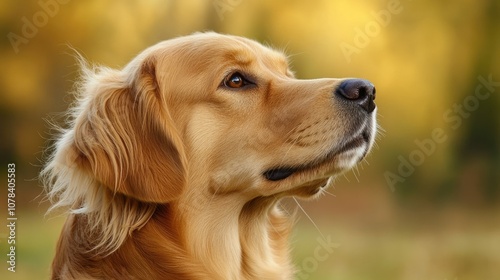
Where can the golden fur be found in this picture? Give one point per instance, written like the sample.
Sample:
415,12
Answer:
165,164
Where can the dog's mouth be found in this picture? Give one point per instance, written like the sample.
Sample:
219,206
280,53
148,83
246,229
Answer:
281,173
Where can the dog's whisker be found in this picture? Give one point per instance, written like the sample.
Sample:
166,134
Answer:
309,217
329,193
346,178
355,171
291,146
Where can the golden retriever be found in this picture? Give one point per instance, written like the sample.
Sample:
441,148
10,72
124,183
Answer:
174,166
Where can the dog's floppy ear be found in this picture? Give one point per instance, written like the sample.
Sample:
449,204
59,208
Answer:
125,136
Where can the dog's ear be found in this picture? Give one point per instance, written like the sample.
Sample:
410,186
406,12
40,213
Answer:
125,136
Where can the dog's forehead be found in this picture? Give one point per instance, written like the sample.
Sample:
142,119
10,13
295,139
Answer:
216,51
250,50
240,50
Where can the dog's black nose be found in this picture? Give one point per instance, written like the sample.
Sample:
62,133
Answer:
359,91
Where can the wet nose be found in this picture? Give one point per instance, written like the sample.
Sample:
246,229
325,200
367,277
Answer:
358,91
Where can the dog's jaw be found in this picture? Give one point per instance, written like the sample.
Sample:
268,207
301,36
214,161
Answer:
321,172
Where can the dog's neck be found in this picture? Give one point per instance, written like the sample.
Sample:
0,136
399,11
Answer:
225,236
237,238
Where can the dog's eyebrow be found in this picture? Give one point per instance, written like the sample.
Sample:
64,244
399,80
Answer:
239,57
272,59
278,61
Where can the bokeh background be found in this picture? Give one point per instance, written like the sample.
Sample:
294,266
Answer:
425,204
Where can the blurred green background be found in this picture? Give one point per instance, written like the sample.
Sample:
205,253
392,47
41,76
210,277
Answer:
425,204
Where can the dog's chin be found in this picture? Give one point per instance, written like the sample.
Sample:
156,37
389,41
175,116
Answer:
311,178
310,189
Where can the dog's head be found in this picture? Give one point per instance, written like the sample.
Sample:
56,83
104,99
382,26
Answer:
219,113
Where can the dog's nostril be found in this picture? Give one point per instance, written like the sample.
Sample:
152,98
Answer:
359,91
362,92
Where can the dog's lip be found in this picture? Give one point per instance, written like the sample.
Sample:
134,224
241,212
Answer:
281,173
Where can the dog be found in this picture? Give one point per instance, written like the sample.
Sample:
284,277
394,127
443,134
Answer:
174,166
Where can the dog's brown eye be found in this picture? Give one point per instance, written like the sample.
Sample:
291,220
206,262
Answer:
236,80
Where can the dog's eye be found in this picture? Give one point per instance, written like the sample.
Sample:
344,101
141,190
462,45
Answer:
235,80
